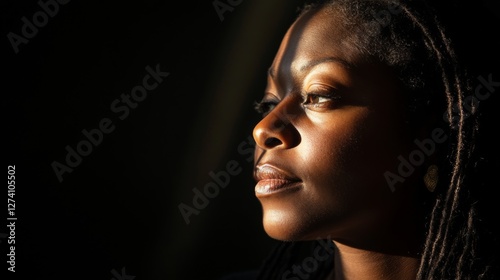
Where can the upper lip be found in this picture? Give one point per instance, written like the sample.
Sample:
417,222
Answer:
267,171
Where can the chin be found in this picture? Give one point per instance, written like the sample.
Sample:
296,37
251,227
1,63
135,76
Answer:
287,226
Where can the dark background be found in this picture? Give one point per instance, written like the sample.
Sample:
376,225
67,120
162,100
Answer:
119,207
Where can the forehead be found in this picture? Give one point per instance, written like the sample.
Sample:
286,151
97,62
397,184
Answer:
315,35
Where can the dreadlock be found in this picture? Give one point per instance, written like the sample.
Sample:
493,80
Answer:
414,42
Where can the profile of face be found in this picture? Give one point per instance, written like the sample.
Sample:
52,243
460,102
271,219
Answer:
333,123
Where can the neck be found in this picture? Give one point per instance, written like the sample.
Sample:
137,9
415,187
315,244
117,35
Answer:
387,250
359,264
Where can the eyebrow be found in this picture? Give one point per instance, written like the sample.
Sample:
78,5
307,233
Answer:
315,62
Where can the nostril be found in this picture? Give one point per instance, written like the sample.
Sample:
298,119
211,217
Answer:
272,142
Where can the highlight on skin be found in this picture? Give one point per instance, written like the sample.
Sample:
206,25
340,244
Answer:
412,46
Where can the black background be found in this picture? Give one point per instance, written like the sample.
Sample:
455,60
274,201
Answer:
118,209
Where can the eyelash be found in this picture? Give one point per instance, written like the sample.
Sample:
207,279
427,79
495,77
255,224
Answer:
330,96
264,107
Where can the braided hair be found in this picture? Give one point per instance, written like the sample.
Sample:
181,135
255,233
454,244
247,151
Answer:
412,38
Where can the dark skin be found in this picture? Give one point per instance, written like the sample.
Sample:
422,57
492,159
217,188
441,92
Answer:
335,124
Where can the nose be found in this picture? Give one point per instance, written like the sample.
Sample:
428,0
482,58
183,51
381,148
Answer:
276,130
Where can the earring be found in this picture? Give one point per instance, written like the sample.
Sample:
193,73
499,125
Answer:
431,177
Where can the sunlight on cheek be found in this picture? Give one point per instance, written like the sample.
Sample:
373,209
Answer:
334,136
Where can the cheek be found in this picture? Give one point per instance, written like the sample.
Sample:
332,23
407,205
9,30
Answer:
337,146
331,158
356,143
345,160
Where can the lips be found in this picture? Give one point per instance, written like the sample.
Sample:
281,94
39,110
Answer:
271,180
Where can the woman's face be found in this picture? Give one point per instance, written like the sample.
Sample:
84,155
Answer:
335,125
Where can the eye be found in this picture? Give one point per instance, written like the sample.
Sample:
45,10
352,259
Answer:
312,98
319,100
264,107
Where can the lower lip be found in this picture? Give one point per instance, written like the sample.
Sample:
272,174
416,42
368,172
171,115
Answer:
272,186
